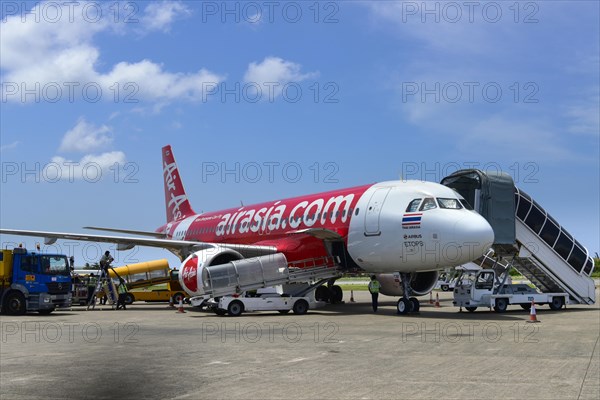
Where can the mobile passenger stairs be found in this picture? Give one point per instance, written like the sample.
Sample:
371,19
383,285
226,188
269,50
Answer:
225,284
527,238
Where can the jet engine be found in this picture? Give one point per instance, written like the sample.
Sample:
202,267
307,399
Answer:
190,275
420,282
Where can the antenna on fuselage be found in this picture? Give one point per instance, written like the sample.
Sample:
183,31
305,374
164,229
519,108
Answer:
241,203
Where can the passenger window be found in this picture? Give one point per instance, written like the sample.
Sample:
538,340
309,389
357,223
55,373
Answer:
563,245
589,267
413,205
535,219
453,204
428,204
577,259
549,232
523,209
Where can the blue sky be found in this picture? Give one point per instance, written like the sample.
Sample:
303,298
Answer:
312,96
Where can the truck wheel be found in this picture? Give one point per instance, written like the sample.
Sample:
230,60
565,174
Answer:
445,288
556,304
129,298
300,307
501,305
337,294
178,296
220,311
236,308
526,306
16,304
470,309
46,312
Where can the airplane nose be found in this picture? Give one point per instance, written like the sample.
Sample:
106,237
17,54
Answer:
474,234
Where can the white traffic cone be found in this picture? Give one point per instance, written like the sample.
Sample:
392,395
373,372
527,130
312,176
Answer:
352,296
180,309
532,313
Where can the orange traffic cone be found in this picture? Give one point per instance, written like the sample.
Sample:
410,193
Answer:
180,308
532,313
430,297
352,296
437,300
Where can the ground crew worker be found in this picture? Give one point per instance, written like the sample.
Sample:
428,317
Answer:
91,286
104,289
374,286
122,294
105,261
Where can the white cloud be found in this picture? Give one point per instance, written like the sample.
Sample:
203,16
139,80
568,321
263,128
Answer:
275,72
86,137
160,16
585,118
90,168
36,55
11,146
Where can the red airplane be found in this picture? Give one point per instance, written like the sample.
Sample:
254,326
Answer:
403,230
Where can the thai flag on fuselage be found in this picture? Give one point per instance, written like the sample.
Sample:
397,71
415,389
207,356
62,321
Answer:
411,219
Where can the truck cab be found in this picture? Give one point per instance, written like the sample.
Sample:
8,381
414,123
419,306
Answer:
34,282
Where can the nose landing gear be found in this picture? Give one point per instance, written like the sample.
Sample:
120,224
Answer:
407,304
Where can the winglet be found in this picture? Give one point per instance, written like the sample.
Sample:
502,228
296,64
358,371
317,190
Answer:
176,201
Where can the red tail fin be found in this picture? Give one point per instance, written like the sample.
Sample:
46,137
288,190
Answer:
176,201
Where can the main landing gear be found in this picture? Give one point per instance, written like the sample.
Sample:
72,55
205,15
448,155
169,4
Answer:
407,304
331,293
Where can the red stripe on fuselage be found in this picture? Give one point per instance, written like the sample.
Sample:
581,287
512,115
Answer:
273,221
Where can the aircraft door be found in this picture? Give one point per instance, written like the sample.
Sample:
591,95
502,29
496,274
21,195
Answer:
374,211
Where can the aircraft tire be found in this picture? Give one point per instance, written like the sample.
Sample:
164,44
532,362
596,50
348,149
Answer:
322,293
337,294
403,306
414,304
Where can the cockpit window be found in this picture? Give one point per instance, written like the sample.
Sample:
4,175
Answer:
465,204
413,205
453,204
428,204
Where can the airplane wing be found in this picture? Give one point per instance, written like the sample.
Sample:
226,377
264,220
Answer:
180,247
128,231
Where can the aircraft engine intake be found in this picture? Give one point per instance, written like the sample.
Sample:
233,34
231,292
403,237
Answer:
420,282
191,271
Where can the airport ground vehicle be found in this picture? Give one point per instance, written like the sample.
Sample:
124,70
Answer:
162,292
265,299
150,281
33,282
486,291
446,281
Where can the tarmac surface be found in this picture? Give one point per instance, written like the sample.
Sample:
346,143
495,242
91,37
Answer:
340,351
